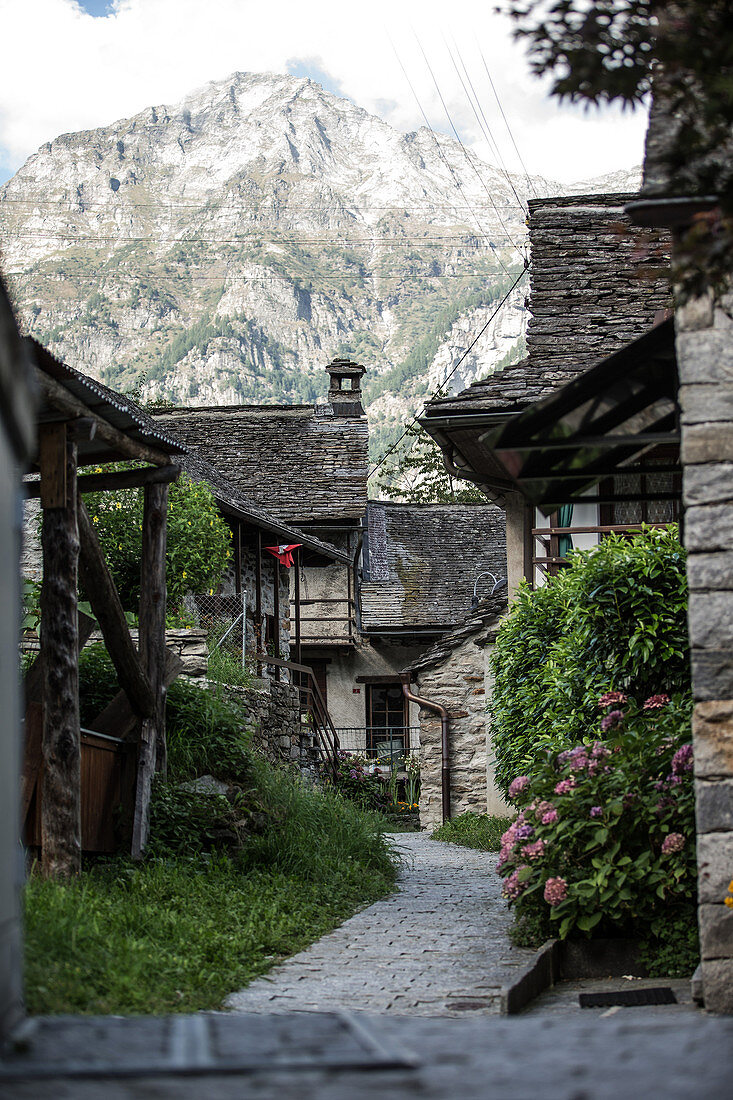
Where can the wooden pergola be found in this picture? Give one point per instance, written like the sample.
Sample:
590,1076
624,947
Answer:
82,423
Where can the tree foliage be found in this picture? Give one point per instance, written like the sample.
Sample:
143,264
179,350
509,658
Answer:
614,50
417,474
198,542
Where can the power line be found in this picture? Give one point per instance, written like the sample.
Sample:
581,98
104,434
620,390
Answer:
259,238
453,370
227,279
81,206
441,154
483,121
465,151
509,129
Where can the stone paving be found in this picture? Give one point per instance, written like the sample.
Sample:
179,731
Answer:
437,947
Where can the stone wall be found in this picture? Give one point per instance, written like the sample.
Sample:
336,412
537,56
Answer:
277,732
705,360
461,682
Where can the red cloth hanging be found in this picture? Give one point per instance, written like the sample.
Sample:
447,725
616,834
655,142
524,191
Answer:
284,554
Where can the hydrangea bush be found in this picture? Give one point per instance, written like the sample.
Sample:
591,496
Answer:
616,616
604,840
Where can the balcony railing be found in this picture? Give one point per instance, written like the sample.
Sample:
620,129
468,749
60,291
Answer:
384,744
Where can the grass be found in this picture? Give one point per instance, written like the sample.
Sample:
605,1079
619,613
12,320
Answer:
233,882
474,831
173,936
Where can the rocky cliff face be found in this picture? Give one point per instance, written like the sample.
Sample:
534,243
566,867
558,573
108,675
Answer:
225,249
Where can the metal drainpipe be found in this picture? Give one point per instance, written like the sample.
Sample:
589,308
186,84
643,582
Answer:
444,742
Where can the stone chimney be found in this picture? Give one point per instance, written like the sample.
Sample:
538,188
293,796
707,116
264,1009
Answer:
344,392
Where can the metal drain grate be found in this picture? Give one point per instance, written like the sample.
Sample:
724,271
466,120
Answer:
662,995
114,1047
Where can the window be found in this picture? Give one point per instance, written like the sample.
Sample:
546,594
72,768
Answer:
386,719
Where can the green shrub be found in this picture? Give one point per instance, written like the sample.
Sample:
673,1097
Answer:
481,831
616,617
206,733
313,832
604,843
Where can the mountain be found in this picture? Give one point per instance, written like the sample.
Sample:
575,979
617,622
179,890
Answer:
224,249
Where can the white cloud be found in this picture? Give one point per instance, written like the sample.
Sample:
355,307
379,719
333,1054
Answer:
67,70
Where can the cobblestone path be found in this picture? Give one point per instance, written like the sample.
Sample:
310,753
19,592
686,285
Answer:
437,947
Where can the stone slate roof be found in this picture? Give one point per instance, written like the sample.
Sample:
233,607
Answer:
421,562
302,463
481,624
234,504
597,283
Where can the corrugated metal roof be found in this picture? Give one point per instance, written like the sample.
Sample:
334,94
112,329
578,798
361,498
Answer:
117,409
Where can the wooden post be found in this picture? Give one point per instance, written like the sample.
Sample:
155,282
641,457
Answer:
238,557
298,647
276,613
258,598
61,790
152,750
349,589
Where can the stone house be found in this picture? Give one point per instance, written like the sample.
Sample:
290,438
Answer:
306,467
597,284
455,672
652,423
393,586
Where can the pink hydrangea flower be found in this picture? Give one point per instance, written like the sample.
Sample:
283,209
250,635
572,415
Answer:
612,698
549,817
556,890
656,702
596,811
675,842
565,786
612,719
518,785
599,751
534,850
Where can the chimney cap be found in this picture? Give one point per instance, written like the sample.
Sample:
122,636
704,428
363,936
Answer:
345,368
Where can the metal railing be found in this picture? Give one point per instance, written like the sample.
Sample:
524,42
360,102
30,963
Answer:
383,744
548,538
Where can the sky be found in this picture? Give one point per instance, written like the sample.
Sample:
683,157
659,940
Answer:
79,65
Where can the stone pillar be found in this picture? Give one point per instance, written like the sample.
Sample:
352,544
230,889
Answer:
705,360
518,542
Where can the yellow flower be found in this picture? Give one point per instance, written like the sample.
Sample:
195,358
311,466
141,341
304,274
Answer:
95,519
184,573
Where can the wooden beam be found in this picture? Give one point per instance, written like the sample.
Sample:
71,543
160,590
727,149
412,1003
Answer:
60,398
276,611
298,645
100,588
112,481
259,641
61,784
152,750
